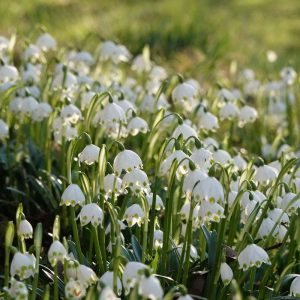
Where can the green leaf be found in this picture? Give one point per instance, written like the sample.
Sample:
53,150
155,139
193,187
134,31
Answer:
137,249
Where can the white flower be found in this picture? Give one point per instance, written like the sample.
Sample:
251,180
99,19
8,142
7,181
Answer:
126,160
225,94
72,195
265,174
116,53
185,212
210,212
137,181
226,273
86,99
158,239
158,203
17,290
110,114
8,76
57,252
71,268
25,229
32,53
108,294
252,256
239,162
74,290
91,213
228,111
137,125
141,63
209,189
271,56
134,214
28,105
66,131
290,203
266,227
209,121
112,182
150,288
247,115
86,276
89,154
71,113
181,158
185,130
184,92
3,130
41,112
132,274
23,265
191,179
278,215
65,80
193,251
202,158
288,75
46,42
108,278
222,157
295,287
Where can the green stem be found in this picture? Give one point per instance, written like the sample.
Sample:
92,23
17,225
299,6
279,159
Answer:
98,250
75,234
56,295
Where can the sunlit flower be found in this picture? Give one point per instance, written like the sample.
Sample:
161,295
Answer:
74,290
134,214
89,154
23,265
150,288
107,279
226,273
57,252
91,213
25,229
86,276
72,195
252,256
126,160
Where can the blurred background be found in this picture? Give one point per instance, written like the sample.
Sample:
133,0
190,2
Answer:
183,34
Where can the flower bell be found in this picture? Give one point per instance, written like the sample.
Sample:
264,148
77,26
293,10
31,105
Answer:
185,130
22,265
226,273
137,181
113,183
57,252
72,195
46,42
181,158
71,113
209,189
295,287
209,122
159,205
108,294
202,158
265,174
86,276
91,213
89,154
137,125
25,229
252,256
150,288
229,111
158,239
134,215
132,273
108,280
247,115
126,160
74,290
17,290
222,157
184,92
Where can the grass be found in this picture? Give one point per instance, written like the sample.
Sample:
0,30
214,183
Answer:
186,33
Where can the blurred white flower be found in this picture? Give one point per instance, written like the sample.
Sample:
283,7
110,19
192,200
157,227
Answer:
150,288
107,279
226,273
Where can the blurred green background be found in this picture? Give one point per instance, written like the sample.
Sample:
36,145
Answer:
182,34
